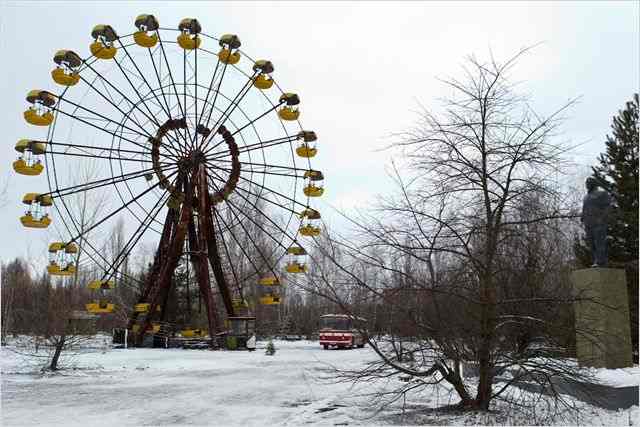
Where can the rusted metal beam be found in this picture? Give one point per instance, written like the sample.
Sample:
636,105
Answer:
201,268
207,234
158,260
170,263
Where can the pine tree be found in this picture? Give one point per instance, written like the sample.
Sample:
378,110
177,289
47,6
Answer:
270,349
617,172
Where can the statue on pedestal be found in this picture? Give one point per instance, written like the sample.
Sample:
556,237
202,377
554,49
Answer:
595,215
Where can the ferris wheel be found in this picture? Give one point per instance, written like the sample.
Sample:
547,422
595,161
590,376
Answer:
201,149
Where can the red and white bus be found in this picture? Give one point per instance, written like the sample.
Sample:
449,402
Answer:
342,331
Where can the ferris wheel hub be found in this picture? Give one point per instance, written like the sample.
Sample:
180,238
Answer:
191,161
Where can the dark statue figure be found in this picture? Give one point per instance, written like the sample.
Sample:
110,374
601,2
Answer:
595,213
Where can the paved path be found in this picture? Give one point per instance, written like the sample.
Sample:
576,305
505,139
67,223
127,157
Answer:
603,396
606,397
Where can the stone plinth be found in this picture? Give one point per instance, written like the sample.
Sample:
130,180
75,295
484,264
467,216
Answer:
603,338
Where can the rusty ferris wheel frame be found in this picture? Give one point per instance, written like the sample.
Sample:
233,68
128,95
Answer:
207,165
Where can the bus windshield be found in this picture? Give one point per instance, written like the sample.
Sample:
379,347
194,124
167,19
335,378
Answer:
337,323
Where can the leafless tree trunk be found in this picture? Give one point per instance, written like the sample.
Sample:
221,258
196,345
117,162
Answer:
478,184
85,208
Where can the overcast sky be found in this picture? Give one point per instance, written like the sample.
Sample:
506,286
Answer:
360,69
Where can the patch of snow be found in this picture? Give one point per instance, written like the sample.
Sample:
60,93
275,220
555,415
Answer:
622,377
294,387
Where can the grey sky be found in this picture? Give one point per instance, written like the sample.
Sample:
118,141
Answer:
360,69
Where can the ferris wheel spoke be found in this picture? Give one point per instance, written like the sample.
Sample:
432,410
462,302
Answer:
260,210
133,241
98,148
96,156
268,144
184,94
240,222
231,108
95,119
101,117
86,62
160,85
60,192
213,78
226,250
255,146
270,235
215,97
112,133
151,116
269,165
144,79
250,123
85,241
121,208
195,88
264,165
110,100
259,196
105,90
192,95
124,114
173,83
268,218
274,192
88,243
262,172
218,219
135,237
206,98
104,119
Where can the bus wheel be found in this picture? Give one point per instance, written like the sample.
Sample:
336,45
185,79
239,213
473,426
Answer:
326,346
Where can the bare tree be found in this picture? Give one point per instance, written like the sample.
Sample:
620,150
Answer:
16,286
64,312
468,260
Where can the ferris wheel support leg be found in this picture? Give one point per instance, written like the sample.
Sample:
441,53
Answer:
202,275
158,260
169,266
205,223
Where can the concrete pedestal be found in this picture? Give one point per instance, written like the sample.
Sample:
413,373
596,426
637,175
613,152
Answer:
603,338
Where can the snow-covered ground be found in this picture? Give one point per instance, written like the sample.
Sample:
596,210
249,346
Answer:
201,387
624,377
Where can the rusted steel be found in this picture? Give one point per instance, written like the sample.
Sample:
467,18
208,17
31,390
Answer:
234,175
167,269
207,234
201,269
158,260
196,201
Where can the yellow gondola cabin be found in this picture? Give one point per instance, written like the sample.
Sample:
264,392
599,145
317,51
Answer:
66,72
36,216
40,114
290,111
146,24
100,304
188,38
229,53
264,69
28,162
102,47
